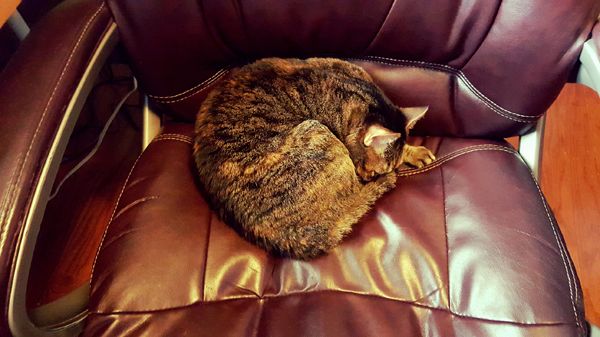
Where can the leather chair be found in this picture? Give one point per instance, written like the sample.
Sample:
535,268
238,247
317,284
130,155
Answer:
466,246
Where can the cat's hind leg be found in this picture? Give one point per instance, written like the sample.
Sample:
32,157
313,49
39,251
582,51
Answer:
315,198
312,202
343,198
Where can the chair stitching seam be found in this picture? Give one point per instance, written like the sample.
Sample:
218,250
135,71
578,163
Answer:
203,86
453,155
134,203
12,186
560,249
316,292
216,74
458,72
520,118
446,237
112,217
261,304
208,231
575,287
173,136
476,148
460,75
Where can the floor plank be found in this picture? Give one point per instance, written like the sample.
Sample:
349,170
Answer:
7,8
75,220
571,183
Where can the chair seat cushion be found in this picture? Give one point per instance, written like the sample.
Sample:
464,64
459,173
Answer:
464,247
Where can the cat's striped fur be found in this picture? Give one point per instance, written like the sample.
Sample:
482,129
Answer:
281,151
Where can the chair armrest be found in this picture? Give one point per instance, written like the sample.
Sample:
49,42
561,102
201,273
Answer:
38,90
589,71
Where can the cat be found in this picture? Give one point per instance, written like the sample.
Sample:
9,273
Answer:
291,153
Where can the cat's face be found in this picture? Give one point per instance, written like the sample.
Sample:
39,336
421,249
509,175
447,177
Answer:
382,148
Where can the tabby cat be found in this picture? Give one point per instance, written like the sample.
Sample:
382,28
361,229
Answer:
291,153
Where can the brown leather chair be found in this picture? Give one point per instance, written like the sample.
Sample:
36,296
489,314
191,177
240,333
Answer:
464,247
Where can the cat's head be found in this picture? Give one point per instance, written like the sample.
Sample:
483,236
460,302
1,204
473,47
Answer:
382,148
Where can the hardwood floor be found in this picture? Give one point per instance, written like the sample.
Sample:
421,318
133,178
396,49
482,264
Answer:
7,8
75,220
571,183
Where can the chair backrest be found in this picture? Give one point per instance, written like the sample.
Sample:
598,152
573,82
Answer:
486,68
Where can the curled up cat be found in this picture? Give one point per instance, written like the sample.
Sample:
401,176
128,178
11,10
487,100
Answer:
291,153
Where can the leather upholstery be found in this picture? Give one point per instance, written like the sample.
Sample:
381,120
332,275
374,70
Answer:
465,247
486,68
35,88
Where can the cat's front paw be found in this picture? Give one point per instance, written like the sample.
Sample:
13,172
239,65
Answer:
387,181
417,156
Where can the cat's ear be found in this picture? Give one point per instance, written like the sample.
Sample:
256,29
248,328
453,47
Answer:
413,114
379,138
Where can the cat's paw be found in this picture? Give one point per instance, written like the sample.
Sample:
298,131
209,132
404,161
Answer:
387,181
417,156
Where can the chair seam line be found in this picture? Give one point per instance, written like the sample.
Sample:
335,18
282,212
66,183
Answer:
560,248
208,231
12,186
112,216
317,292
261,308
134,203
495,107
461,77
446,237
454,155
203,86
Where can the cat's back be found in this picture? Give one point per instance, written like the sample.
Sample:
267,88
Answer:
268,86
279,90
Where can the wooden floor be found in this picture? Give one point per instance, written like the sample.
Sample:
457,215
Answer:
570,180
75,220
571,183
